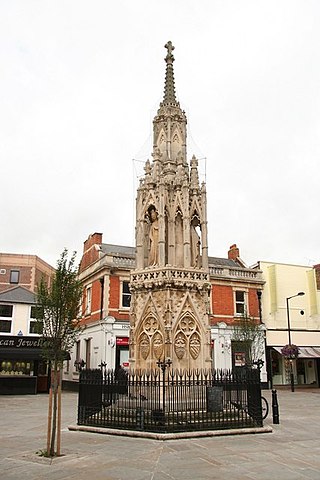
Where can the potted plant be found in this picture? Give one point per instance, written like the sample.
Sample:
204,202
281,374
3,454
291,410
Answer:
290,351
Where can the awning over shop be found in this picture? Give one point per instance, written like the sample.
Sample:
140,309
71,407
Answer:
305,352
21,353
26,354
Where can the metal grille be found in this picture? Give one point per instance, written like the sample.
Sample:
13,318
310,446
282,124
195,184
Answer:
170,401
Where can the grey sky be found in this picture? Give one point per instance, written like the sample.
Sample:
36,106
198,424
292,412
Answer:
82,80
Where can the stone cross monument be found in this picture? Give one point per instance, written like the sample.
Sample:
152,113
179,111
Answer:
170,286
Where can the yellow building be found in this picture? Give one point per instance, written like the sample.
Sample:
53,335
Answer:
291,313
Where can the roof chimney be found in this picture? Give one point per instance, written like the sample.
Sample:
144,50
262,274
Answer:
91,250
233,253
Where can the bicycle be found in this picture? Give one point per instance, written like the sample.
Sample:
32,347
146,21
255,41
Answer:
265,407
244,407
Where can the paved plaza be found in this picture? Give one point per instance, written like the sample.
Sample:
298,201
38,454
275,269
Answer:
291,452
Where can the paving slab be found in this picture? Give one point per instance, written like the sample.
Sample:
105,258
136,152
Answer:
291,451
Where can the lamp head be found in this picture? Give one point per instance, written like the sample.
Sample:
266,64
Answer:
300,294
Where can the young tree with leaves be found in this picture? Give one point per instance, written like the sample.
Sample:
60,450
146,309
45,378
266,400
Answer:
57,312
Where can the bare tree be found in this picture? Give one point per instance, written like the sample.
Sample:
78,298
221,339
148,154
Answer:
57,311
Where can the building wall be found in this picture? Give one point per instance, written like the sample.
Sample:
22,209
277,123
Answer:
107,323
21,319
284,281
31,269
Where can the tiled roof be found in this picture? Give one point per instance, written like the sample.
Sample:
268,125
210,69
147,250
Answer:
222,262
131,251
117,249
17,295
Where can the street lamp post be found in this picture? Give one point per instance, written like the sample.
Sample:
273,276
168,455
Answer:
299,294
164,365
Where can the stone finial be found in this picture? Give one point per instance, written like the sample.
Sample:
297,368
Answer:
169,89
194,177
170,49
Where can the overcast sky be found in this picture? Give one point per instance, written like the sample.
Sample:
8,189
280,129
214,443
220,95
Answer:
81,81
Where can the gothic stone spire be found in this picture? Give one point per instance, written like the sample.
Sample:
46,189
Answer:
169,90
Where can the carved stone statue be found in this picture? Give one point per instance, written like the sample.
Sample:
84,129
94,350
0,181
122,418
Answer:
153,237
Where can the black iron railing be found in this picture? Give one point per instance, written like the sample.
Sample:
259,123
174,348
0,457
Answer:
171,402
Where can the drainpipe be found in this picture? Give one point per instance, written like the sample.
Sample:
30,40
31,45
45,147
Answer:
101,299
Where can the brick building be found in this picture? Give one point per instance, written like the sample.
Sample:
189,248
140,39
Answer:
291,313
23,270
22,369
105,274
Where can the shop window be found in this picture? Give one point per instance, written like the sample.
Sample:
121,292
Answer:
240,302
6,314
16,367
14,276
126,295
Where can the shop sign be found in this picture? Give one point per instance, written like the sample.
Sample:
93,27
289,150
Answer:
20,342
121,326
122,341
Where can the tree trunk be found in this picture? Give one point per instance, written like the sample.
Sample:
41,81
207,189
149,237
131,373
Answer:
54,413
49,415
59,413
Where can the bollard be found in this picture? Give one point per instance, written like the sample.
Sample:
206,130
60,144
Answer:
275,407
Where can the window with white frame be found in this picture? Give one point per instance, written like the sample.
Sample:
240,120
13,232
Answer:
88,300
35,327
6,315
126,295
240,302
14,276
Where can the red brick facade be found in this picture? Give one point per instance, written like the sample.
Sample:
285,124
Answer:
114,295
223,302
30,267
98,273
90,250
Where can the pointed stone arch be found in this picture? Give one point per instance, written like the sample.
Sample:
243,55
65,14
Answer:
178,202
195,208
188,333
161,140
187,337
150,334
176,142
